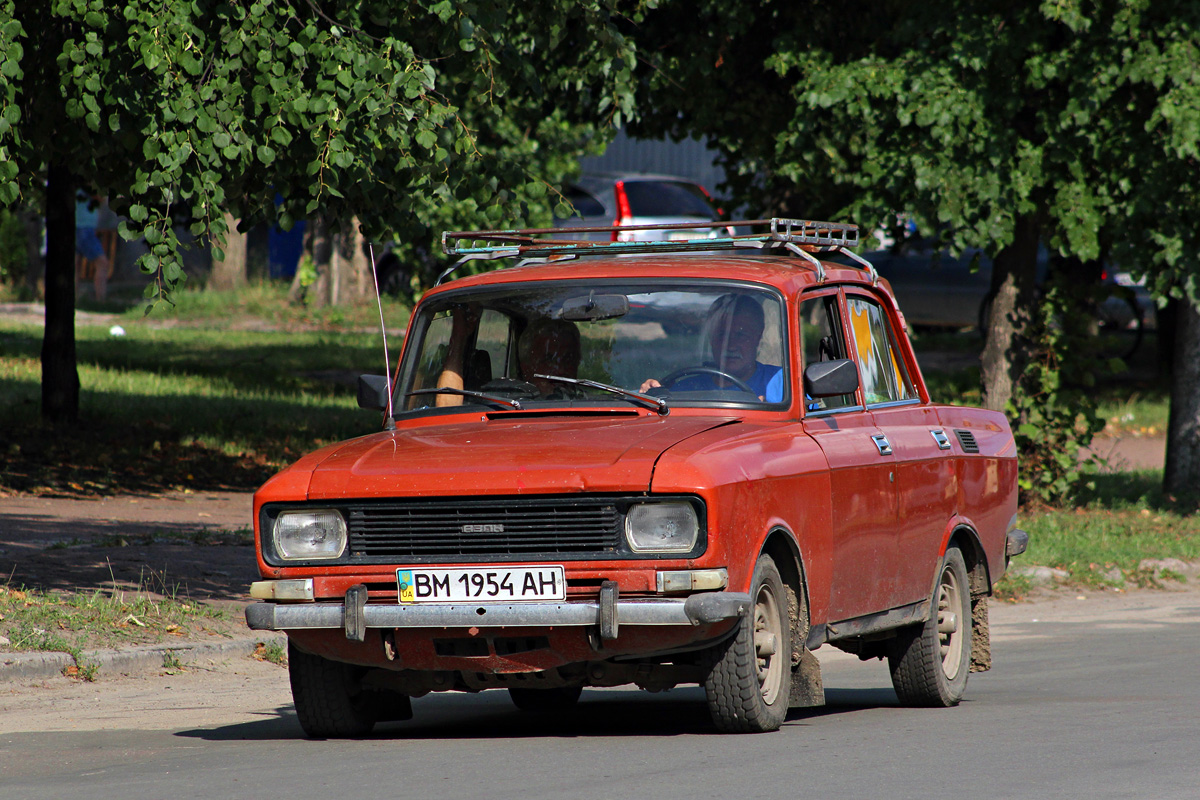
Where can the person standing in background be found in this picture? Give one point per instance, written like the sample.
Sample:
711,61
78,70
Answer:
89,252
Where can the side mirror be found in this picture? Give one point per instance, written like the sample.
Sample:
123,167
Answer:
831,378
373,392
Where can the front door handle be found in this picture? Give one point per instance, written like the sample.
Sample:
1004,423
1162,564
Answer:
881,441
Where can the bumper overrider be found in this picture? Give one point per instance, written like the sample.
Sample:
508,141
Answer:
607,613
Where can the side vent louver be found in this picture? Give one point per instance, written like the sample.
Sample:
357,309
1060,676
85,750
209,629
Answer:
966,440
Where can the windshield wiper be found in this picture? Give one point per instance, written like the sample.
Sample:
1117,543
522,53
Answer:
487,398
656,403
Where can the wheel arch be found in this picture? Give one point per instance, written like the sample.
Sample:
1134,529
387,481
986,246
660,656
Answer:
965,538
781,546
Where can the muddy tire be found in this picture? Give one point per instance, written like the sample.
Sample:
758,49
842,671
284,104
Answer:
545,700
930,662
329,698
749,675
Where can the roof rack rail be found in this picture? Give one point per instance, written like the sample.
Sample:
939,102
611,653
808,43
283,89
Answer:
800,237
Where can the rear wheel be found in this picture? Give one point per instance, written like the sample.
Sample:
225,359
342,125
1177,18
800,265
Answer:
750,675
930,662
556,699
329,698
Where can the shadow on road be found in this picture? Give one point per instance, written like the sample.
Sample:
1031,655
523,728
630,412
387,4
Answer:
680,712
281,725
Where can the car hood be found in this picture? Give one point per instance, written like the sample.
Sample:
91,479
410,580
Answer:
505,454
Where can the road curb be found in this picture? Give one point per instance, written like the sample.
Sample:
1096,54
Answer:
131,660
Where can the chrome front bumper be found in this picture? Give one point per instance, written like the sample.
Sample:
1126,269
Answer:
355,615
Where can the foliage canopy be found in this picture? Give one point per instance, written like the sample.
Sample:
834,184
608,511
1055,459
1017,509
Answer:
1070,123
965,115
406,114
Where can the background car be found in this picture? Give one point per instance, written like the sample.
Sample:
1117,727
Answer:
938,290
623,199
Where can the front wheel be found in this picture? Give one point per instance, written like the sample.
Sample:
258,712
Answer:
749,678
329,698
930,662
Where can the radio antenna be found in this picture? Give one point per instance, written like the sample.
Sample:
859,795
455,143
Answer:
389,423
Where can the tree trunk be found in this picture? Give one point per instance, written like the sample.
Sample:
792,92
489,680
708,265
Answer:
1014,292
229,273
1182,473
60,377
320,248
350,268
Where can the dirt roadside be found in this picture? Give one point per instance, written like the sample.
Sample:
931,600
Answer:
196,545
189,547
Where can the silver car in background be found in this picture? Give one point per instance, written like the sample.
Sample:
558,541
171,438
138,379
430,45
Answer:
631,198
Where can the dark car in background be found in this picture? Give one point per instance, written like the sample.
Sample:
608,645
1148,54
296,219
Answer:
938,290
621,199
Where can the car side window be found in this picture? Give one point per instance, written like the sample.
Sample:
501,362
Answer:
821,332
883,377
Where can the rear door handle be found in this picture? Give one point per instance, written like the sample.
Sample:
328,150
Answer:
881,441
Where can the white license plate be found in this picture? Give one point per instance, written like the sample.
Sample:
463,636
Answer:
499,584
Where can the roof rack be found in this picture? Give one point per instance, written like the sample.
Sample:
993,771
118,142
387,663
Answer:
800,237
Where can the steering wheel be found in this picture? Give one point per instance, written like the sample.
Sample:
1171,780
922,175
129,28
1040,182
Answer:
679,374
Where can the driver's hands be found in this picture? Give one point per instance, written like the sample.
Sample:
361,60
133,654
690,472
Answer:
652,383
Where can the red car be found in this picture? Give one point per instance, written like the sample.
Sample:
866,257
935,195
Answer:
571,491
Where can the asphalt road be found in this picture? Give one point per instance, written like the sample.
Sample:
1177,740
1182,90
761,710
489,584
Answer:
1092,698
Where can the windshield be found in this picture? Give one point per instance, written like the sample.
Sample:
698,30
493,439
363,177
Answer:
570,343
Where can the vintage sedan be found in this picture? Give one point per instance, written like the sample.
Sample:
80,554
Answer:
641,462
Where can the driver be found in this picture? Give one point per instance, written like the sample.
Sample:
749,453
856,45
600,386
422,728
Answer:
737,328
548,347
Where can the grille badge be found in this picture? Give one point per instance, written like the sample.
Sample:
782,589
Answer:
491,527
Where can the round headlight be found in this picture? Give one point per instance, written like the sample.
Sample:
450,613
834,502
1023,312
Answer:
661,527
302,535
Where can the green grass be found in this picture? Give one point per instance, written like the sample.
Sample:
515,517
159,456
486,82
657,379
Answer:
72,622
271,652
262,301
224,406
1141,412
1123,519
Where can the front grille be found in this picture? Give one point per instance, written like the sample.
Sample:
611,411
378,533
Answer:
509,527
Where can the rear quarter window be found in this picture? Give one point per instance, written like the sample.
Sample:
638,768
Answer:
667,199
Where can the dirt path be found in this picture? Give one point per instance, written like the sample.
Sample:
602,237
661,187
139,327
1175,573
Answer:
1125,453
191,544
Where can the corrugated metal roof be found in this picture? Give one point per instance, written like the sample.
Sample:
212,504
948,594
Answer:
688,159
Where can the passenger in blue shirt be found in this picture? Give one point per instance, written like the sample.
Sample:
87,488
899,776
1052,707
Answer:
737,328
